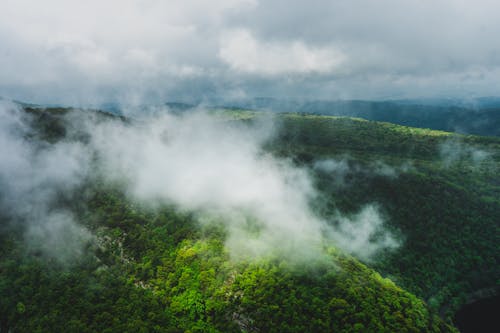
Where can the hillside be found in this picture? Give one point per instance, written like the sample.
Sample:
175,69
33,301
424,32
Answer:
477,116
156,268
439,190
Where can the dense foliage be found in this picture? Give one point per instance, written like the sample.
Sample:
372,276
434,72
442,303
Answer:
478,116
160,271
447,210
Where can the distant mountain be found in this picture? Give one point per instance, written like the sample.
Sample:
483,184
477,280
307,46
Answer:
469,103
479,116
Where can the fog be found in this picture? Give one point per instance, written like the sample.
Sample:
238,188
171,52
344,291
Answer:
454,151
340,168
204,163
199,162
33,177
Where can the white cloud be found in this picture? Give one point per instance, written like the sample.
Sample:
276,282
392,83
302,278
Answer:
453,151
73,51
205,164
363,234
214,167
242,52
33,179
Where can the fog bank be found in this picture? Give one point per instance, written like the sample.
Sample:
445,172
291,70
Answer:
196,161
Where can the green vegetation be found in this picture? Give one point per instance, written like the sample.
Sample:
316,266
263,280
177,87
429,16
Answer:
447,213
479,118
160,271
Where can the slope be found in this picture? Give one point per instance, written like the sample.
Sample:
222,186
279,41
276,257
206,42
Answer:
159,270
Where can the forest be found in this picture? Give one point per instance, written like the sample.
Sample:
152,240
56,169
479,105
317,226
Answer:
156,265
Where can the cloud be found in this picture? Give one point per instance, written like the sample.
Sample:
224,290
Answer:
33,178
57,235
93,52
453,151
199,162
242,52
344,168
363,234
219,168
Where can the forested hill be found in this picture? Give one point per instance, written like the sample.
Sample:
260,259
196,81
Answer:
144,267
440,190
480,117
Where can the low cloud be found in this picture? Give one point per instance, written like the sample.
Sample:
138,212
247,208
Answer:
454,151
57,235
33,177
219,167
202,163
363,234
340,169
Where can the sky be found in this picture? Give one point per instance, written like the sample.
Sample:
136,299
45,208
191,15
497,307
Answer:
148,51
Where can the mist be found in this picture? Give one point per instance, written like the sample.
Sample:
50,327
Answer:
198,162
454,151
33,178
205,163
343,168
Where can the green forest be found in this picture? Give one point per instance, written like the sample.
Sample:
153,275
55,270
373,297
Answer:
157,269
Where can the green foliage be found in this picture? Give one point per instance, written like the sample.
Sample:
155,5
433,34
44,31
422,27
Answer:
447,214
143,277
157,270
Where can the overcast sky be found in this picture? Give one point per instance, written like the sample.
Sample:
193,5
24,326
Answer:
93,51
